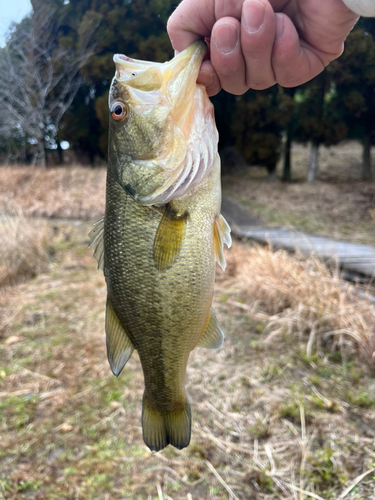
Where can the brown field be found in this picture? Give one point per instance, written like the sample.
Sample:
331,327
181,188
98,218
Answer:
63,193
284,410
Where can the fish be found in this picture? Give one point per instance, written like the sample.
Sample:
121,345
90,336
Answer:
162,232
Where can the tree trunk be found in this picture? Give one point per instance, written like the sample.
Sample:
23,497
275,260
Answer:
313,167
60,152
287,151
290,130
366,164
42,160
41,154
271,170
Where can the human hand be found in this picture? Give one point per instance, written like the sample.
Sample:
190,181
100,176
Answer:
257,43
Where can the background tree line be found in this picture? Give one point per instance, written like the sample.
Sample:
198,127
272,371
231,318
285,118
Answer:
57,66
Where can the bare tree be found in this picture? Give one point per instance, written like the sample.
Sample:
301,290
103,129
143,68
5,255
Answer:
40,76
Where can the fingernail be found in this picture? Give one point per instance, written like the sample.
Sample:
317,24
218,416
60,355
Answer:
253,13
226,37
279,27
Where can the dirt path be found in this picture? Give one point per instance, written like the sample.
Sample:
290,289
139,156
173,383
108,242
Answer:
352,257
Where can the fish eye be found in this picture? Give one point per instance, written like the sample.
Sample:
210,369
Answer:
118,111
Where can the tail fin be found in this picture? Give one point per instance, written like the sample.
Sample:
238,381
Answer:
161,429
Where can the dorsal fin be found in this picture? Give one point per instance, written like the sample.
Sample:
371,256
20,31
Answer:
119,346
212,336
221,236
97,241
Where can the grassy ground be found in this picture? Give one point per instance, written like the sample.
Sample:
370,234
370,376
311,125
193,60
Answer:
285,410
271,420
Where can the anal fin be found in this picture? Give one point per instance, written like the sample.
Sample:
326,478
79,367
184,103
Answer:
221,236
169,238
212,336
119,346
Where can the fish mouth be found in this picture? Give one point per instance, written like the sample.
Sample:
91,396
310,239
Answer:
176,77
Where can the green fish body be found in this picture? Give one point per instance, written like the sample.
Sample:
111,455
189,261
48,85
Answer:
162,232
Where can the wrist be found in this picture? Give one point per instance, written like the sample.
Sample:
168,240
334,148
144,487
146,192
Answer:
364,8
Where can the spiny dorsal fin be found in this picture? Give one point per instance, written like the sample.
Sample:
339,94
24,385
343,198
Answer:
119,346
221,236
169,238
213,336
97,241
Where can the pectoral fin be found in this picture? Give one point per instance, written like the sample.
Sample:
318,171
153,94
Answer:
169,238
213,336
119,346
97,241
221,236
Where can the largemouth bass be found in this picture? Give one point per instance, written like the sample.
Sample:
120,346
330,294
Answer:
161,233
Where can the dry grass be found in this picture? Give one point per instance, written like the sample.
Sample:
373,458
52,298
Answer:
302,298
269,422
23,247
65,193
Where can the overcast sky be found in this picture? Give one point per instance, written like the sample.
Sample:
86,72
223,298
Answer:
11,10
